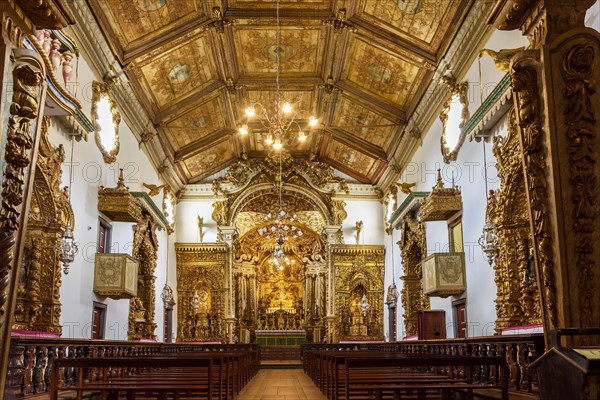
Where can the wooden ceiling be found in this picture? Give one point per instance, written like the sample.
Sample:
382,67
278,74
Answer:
361,66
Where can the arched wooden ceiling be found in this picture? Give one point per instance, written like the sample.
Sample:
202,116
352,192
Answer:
361,66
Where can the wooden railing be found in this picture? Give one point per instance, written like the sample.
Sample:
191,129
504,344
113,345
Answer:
30,359
519,350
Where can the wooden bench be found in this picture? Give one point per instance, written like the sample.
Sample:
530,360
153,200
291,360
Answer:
418,376
329,371
203,376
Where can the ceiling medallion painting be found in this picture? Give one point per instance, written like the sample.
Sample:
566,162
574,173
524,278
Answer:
171,73
384,74
210,159
348,159
197,123
300,50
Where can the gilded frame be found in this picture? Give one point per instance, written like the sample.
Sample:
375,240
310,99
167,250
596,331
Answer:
460,90
100,90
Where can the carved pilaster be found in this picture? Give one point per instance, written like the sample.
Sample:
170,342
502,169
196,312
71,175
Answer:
141,308
28,92
517,291
554,93
413,247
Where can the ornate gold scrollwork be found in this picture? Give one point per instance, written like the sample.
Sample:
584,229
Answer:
442,203
517,291
145,251
359,291
413,247
50,210
23,111
107,135
525,92
458,93
201,269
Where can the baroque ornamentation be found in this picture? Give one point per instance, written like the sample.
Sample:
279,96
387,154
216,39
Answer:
50,210
457,90
23,111
201,268
442,203
100,91
517,292
413,248
524,78
145,251
577,71
358,278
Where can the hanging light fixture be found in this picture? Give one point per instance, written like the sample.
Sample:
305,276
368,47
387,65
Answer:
167,291
489,238
280,120
67,247
392,291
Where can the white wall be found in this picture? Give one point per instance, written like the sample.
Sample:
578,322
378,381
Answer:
89,172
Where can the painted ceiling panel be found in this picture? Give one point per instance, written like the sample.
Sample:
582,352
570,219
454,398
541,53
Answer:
362,122
300,50
422,22
197,123
138,21
206,161
351,161
177,72
383,73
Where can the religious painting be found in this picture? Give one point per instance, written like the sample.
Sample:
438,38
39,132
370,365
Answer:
383,73
351,158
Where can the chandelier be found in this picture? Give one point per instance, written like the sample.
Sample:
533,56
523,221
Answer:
489,238
167,292
67,247
278,118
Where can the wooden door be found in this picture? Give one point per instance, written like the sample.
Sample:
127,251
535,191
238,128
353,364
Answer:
98,319
461,320
102,238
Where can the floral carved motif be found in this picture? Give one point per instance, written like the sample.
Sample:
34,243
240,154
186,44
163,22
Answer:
527,102
27,79
413,247
577,72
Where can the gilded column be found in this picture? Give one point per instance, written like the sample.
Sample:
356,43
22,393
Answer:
555,93
331,231
229,233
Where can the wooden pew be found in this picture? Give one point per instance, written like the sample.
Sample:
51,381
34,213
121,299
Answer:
194,376
329,371
392,377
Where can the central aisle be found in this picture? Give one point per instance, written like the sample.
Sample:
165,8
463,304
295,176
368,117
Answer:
281,384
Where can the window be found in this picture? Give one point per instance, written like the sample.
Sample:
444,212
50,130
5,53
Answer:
455,234
104,236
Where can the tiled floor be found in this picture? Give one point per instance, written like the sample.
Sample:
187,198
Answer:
280,384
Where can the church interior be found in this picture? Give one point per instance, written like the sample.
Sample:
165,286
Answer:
277,179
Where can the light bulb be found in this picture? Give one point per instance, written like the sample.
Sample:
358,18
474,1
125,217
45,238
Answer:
244,129
250,112
286,107
277,145
312,121
301,136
